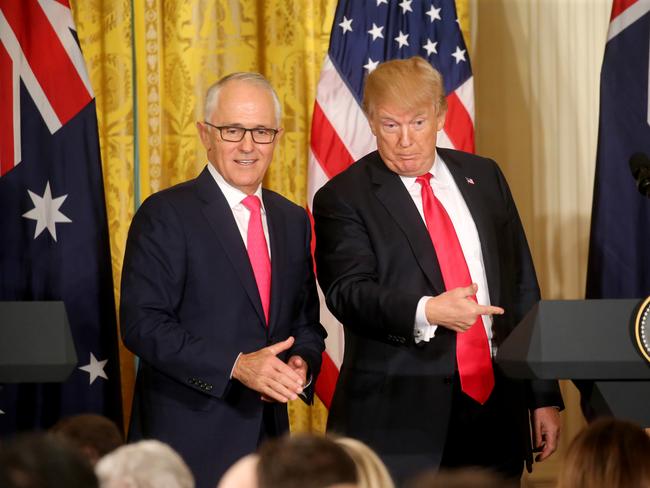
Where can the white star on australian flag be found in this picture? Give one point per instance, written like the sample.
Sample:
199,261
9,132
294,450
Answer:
46,211
95,368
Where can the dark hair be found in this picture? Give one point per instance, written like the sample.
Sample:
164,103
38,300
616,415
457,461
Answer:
39,460
461,478
607,453
90,432
304,461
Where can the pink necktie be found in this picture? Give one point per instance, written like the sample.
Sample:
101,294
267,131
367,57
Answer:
258,252
472,348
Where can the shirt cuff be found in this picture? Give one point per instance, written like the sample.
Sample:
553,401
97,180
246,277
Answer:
302,394
422,329
235,364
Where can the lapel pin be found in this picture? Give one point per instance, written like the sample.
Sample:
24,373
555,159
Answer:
469,180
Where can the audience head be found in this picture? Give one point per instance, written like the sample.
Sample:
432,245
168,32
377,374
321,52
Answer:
608,453
242,474
95,435
304,461
371,471
460,478
40,460
144,464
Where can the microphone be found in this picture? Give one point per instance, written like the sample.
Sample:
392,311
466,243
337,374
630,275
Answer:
640,167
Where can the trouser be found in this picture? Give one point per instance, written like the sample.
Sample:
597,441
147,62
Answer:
485,436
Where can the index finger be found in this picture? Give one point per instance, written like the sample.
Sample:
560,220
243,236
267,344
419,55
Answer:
490,310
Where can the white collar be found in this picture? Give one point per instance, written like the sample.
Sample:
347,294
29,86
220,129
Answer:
234,196
439,171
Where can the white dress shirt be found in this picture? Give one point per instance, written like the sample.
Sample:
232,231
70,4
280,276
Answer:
445,189
242,215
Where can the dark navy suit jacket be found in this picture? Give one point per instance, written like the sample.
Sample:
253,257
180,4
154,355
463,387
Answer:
375,260
190,305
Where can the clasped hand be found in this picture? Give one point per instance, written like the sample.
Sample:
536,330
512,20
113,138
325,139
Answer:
265,373
456,310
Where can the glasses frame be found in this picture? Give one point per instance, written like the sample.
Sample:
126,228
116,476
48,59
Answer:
221,127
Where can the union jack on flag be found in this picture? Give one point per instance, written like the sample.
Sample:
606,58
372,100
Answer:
53,227
364,34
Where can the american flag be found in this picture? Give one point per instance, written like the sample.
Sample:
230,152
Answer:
53,227
619,249
364,34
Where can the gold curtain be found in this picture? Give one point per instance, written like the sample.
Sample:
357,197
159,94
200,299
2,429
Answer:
151,62
104,30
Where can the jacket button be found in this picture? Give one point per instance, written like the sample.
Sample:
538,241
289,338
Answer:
447,380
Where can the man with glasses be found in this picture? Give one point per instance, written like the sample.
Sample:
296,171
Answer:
218,294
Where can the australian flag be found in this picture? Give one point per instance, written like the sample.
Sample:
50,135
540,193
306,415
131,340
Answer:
53,229
619,250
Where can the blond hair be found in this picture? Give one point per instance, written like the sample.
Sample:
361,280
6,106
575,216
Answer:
608,453
371,471
411,83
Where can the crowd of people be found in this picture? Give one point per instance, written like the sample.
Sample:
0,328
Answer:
87,451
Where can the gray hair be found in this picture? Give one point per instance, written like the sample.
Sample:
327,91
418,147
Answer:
212,96
144,464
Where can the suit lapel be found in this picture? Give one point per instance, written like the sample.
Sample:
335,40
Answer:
484,222
277,238
219,215
393,194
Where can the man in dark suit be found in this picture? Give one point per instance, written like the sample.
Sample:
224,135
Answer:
218,294
414,244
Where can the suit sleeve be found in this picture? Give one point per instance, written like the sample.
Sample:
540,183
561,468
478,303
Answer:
309,334
153,280
347,271
541,393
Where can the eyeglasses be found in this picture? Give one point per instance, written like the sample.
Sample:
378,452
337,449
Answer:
261,135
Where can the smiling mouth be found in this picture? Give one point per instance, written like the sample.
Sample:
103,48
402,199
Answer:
245,162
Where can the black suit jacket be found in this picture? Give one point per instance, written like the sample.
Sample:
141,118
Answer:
190,305
375,260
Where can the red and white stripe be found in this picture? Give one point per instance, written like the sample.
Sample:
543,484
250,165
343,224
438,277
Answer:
625,13
340,135
38,47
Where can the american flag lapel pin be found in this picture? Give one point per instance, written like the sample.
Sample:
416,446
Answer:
469,181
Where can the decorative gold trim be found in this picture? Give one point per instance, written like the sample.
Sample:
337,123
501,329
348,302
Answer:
644,309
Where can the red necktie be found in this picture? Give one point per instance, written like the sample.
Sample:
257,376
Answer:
472,347
258,252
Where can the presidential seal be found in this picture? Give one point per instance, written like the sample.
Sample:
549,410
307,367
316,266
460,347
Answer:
642,329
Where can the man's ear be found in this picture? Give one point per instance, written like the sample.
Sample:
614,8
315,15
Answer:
278,136
441,119
203,134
